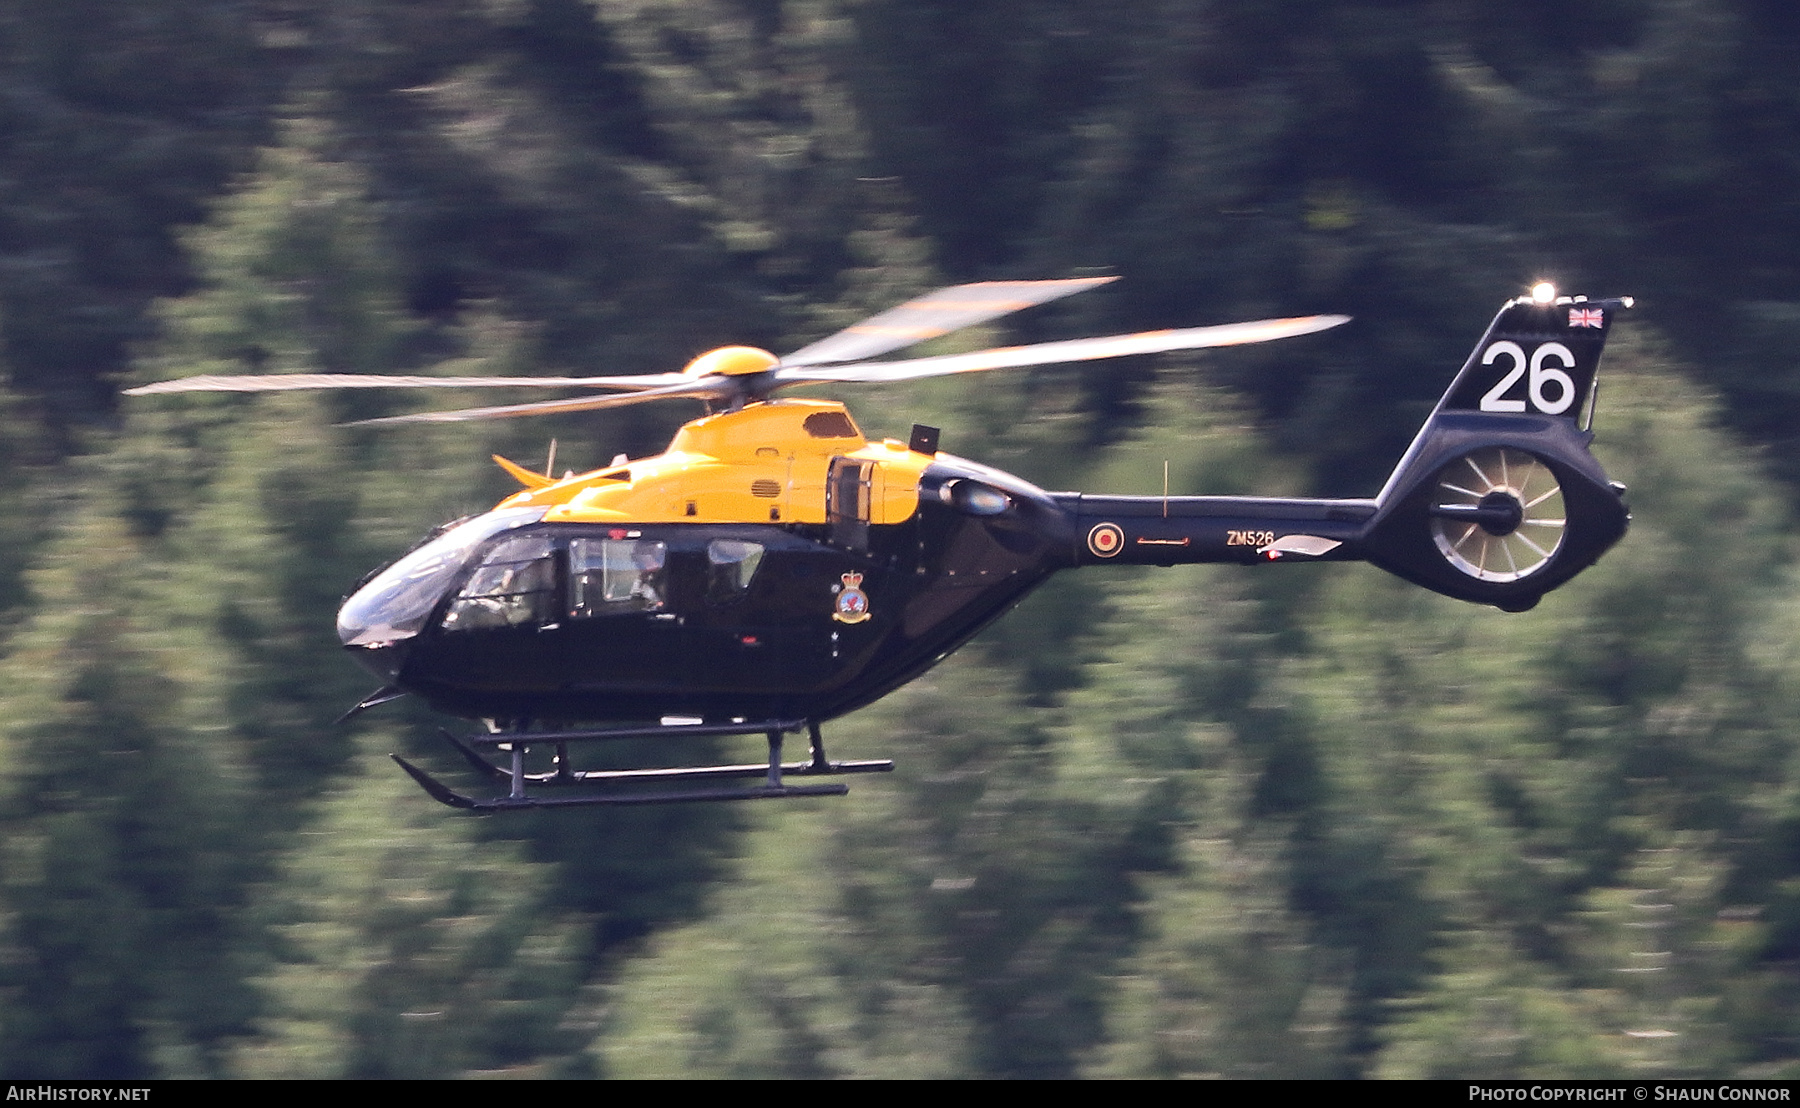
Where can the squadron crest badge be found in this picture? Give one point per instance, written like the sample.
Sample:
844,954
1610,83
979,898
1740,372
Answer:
852,603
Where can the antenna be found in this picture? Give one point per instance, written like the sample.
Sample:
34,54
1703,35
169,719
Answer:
1165,488
550,462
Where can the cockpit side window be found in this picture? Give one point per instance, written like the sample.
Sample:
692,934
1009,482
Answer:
397,602
608,576
515,586
731,565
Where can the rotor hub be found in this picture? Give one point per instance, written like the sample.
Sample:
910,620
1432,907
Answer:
1501,513
732,361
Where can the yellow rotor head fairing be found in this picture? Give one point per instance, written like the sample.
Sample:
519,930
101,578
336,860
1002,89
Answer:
731,361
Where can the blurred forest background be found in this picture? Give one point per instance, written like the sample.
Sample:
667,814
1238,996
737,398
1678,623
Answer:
1199,821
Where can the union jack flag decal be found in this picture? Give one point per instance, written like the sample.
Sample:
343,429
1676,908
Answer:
1587,317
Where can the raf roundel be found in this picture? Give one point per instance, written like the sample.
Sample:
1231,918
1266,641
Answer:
1106,540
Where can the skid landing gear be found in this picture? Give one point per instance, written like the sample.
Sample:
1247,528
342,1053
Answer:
638,786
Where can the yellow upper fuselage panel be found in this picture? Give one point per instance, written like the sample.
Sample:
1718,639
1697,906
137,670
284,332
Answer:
766,463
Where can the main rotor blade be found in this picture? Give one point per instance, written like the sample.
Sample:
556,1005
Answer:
286,382
714,389
936,313
1071,350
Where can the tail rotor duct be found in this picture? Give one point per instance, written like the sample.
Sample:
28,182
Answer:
1497,514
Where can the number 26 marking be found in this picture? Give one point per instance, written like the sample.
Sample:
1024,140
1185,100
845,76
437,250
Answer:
1539,373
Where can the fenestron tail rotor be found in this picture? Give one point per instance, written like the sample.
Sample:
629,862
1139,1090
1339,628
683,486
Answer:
1497,514
737,375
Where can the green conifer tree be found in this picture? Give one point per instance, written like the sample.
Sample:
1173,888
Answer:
409,947
124,879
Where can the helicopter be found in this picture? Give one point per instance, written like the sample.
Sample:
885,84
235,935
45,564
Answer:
774,569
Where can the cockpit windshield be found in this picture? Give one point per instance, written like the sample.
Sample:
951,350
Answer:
396,603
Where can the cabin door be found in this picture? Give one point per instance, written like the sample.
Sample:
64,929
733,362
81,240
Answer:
847,499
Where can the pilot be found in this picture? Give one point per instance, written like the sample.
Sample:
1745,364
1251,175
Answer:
504,595
647,588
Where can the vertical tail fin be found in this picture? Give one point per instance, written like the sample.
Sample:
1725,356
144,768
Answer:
1539,356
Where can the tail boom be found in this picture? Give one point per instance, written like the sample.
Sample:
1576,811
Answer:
1497,501
1179,530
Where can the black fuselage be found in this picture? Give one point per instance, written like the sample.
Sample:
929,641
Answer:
829,618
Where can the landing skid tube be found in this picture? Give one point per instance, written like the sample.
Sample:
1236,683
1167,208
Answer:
623,782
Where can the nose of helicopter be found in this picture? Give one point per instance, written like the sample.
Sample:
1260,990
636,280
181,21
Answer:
394,605
374,625
384,661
